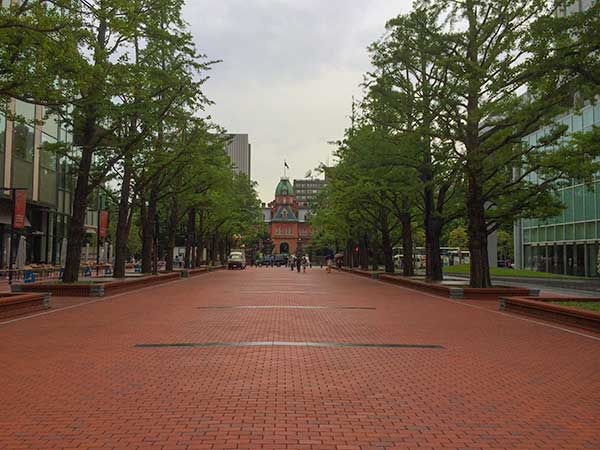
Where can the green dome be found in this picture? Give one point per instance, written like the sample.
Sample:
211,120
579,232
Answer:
284,188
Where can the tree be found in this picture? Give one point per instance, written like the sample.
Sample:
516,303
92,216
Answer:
458,238
38,51
411,83
490,64
111,31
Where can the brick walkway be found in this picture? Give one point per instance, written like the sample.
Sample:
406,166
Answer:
74,379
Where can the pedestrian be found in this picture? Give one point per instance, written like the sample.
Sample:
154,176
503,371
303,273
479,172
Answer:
328,262
304,263
298,263
292,262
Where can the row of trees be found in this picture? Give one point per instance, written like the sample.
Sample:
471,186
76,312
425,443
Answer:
441,135
126,77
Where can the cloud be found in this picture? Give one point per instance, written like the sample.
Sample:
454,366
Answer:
289,70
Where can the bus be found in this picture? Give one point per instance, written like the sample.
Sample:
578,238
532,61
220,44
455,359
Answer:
450,256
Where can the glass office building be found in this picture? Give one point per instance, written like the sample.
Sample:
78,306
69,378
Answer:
26,162
568,243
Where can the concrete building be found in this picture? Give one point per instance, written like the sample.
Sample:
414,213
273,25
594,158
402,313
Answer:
25,163
307,190
240,153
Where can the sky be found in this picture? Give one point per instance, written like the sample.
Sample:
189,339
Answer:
288,73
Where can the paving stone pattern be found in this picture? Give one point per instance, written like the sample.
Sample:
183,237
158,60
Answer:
75,379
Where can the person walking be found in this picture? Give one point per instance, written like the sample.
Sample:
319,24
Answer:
298,263
304,263
328,263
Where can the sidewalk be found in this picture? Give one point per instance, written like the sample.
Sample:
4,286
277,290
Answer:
271,359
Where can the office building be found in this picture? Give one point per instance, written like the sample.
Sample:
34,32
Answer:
307,191
568,243
240,153
49,181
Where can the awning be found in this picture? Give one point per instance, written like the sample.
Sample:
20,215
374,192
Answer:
6,214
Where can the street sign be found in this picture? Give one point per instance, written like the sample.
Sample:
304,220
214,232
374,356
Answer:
103,224
20,208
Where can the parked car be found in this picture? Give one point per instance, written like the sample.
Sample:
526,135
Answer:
236,260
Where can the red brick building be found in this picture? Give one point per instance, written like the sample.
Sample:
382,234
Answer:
287,221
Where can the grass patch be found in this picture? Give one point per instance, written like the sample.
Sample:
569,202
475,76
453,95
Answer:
590,306
463,269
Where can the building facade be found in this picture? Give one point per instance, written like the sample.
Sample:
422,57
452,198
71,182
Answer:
25,162
568,243
239,151
307,190
287,220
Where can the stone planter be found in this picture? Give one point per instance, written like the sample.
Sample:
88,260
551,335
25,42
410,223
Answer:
459,292
541,308
12,305
95,288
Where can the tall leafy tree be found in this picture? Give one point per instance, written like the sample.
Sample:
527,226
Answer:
111,30
411,82
488,52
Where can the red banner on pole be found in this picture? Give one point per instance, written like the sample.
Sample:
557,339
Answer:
103,223
20,207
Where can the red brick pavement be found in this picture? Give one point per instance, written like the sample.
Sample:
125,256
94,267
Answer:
73,379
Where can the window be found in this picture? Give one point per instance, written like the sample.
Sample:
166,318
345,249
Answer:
2,132
22,144
567,198
588,116
578,203
51,122
25,110
47,156
577,123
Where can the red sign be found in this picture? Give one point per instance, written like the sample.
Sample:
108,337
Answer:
103,223
20,207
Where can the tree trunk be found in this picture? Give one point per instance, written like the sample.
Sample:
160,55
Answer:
122,231
348,254
364,253
148,217
171,232
433,228
200,240
477,230
77,224
189,238
433,252
408,268
82,188
221,248
386,244
213,249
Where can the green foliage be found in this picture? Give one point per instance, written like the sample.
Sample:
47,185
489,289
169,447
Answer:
505,245
589,306
458,238
38,50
